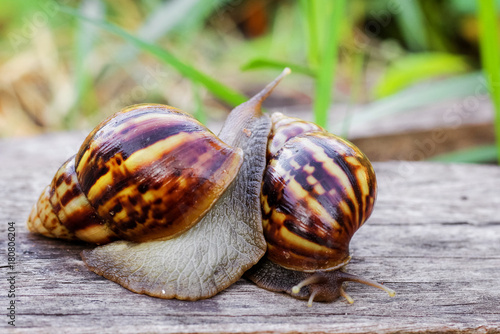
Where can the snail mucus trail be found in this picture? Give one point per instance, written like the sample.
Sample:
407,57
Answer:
175,209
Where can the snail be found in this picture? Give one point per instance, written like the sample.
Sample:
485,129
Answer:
317,191
178,212
174,209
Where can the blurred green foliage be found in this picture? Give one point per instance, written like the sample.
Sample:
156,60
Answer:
490,56
100,53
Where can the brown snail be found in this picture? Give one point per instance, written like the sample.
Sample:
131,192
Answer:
177,210
317,191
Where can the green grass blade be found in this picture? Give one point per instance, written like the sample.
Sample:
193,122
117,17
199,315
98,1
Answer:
327,63
416,67
481,154
416,97
174,15
356,90
411,21
85,37
490,56
308,7
218,89
199,112
159,22
259,63
197,16
165,18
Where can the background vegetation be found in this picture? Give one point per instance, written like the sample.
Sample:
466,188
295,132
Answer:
67,64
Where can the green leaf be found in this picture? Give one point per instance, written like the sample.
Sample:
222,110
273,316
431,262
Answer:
480,154
218,89
199,112
309,9
331,24
465,6
85,37
185,15
198,14
411,21
413,68
167,16
490,56
432,92
259,63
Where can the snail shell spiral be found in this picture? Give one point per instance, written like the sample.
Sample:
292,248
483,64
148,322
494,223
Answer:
129,180
318,189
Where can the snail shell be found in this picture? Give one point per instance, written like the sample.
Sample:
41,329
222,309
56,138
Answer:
318,189
129,180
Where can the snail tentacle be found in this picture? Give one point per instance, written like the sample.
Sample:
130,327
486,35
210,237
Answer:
347,277
308,281
346,296
311,298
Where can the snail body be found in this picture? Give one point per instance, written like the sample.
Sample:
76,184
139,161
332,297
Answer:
181,213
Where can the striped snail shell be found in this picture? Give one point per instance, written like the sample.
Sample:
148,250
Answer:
318,189
128,180
182,204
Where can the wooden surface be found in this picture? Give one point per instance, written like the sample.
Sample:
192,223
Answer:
434,237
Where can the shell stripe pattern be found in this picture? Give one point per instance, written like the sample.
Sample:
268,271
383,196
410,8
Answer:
132,172
71,215
44,220
284,128
317,191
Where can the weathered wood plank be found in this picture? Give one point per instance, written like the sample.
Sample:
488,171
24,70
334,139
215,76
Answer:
434,237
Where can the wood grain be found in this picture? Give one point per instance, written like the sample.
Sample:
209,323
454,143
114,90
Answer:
434,237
